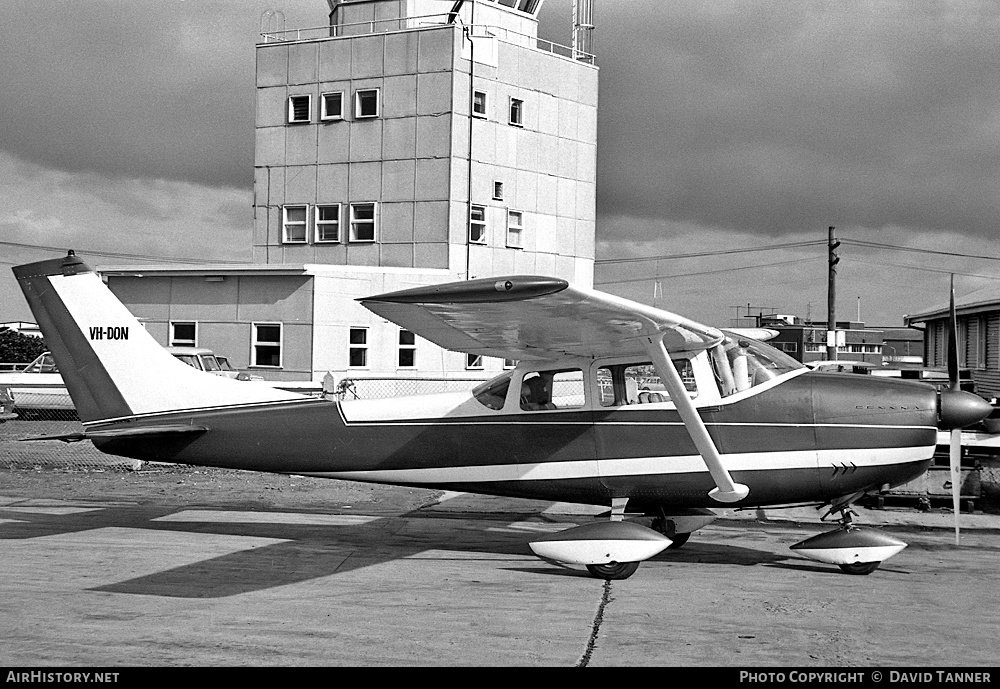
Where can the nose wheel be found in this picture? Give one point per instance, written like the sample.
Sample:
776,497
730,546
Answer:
854,549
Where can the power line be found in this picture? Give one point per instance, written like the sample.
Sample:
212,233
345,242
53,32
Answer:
113,254
705,272
700,254
925,269
878,245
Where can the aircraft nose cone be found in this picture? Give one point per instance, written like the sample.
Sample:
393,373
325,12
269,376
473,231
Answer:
959,409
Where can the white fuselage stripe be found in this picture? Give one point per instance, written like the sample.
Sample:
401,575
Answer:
666,465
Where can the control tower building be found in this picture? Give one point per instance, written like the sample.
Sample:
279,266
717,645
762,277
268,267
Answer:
404,143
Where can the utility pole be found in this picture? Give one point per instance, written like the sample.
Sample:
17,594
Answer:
831,298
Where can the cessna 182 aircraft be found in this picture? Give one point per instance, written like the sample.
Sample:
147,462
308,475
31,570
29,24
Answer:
612,403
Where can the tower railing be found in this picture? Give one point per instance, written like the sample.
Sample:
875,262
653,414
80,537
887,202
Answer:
383,26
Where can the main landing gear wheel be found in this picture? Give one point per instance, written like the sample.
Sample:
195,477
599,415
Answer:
613,570
860,567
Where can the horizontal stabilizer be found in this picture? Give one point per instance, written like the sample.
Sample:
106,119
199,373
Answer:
115,433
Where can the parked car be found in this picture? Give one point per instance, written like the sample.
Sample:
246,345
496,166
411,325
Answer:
39,388
204,360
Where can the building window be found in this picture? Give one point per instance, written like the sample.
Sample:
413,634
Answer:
299,108
514,228
183,334
498,191
362,222
332,106
479,103
266,345
293,224
517,112
510,363
407,349
328,223
366,103
358,352
474,362
477,224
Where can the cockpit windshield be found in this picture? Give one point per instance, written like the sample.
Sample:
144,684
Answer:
741,363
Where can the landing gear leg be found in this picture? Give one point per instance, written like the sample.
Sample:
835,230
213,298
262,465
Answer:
668,528
847,515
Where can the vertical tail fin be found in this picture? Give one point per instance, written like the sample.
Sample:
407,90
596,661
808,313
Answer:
111,366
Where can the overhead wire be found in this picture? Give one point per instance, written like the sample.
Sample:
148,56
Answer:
114,254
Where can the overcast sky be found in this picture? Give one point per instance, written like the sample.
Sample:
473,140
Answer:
128,128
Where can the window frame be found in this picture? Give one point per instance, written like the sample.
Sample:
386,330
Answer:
358,114
474,362
286,224
361,347
497,190
410,347
477,223
515,112
354,222
178,342
319,223
482,113
324,114
515,231
290,108
256,342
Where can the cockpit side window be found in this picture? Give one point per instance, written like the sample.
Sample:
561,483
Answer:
562,389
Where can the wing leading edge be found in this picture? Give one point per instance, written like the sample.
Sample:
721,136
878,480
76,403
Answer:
536,318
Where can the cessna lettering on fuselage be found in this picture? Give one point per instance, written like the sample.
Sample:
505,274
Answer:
109,333
612,403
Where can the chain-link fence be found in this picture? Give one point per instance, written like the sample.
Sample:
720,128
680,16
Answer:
379,388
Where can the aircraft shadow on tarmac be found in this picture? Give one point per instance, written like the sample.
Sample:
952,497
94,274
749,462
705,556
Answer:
308,551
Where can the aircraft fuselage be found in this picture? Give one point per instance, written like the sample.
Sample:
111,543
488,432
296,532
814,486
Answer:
812,437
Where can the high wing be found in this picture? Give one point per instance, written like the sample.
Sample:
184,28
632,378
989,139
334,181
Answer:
536,318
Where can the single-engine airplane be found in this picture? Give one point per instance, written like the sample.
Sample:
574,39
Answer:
612,403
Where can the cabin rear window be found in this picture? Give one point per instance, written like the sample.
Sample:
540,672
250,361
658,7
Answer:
625,384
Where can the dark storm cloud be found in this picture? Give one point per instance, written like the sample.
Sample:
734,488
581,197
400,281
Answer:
131,89
763,117
775,117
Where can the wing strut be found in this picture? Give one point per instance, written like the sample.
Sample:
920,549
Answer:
726,489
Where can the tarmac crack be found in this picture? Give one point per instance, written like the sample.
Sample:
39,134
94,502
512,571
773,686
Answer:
595,627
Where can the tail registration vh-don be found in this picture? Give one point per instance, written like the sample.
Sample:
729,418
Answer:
612,403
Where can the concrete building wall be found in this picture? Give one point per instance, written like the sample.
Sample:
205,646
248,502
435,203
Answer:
225,312
416,159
